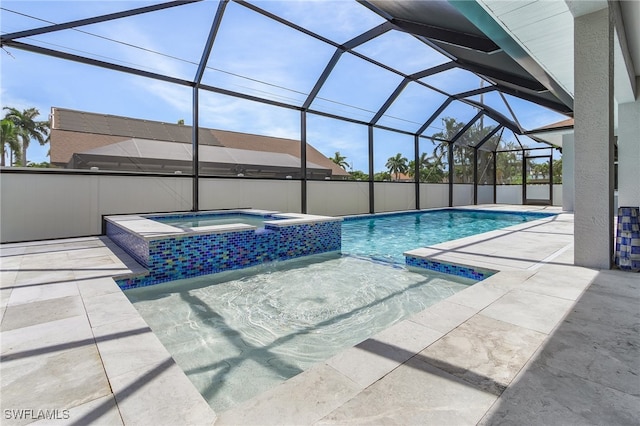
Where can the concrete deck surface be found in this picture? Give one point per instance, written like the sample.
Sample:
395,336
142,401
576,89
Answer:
540,342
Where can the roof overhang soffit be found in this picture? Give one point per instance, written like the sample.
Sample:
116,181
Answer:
538,88
483,21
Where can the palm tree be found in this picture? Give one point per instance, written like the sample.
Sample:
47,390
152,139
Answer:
450,128
423,164
397,165
508,165
423,160
27,128
557,171
340,160
431,169
382,176
359,175
9,138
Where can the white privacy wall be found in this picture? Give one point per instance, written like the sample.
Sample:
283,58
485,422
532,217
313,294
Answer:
337,198
434,195
394,196
47,205
52,205
538,192
509,194
512,194
485,194
264,194
557,195
542,191
462,194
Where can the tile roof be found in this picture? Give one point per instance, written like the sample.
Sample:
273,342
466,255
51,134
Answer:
140,149
80,132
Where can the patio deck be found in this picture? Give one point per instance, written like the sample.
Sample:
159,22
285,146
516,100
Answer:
541,342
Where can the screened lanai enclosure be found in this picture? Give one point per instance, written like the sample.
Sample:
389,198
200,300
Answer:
367,106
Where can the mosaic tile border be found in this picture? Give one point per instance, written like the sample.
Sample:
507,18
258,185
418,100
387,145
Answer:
189,255
135,246
627,253
477,274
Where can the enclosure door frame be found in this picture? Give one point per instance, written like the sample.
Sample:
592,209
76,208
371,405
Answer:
526,176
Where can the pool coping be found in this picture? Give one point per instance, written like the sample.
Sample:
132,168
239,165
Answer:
143,226
543,212
286,402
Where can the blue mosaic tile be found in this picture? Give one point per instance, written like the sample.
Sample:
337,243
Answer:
477,274
307,239
627,253
135,246
188,256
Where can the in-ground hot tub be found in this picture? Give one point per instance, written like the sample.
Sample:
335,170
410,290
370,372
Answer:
172,249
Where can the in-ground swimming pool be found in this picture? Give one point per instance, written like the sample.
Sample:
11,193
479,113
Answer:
238,333
386,237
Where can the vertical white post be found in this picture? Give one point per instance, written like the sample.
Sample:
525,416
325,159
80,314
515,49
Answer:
593,112
568,170
629,154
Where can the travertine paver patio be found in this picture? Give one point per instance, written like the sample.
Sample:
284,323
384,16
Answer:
528,345
74,348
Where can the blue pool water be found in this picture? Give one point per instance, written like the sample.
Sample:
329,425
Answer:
239,333
194,220
386,237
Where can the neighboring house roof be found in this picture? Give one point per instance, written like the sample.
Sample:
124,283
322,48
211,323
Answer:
64,143
401,177
271,144
136,154
77,132
114,125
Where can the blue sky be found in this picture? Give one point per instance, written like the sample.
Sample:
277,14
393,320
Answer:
253,55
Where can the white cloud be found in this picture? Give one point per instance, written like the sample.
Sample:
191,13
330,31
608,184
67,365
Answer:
227,113
178,97
144,58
